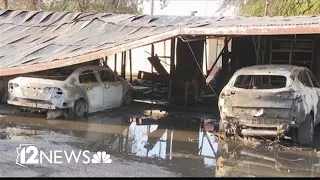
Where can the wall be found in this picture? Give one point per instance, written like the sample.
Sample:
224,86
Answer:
140,55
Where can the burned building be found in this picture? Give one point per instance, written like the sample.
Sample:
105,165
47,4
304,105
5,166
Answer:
36,41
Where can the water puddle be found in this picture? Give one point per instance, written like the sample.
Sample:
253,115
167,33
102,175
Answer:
181,144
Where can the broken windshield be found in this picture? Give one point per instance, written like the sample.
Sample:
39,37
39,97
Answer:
260,81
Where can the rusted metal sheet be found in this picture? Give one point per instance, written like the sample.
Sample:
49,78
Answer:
34,40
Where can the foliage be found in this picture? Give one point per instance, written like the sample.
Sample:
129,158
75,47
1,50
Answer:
276,7
97,6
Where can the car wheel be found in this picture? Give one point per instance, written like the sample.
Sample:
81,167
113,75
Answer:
127,98
306,131
77,111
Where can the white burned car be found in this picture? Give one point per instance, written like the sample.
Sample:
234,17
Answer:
271,100
86,90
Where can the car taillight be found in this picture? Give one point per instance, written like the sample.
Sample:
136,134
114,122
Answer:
12,85
227,93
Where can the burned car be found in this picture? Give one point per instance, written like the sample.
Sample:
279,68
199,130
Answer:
271,100
86,90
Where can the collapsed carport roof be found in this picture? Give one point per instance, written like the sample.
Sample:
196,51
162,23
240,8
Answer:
35,40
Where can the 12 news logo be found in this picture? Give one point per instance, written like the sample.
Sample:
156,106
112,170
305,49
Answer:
29,154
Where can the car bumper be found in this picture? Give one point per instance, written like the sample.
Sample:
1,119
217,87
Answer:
38,105
258,126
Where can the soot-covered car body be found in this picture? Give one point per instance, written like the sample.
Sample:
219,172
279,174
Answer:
86,90
271,100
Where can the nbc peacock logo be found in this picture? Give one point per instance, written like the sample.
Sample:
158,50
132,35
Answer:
101,157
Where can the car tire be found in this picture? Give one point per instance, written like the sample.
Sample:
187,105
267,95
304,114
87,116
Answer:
77,111
306,131
127,99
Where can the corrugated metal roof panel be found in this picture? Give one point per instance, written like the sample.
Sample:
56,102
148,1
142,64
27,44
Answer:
32,38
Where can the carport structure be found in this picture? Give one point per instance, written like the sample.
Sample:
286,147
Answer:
32,41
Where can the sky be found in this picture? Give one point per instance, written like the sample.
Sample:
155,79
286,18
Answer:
184,8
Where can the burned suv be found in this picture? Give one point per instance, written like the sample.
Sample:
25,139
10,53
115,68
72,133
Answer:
271,100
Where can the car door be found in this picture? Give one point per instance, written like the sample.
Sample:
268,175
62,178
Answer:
316,96
305,91
112,95
93,89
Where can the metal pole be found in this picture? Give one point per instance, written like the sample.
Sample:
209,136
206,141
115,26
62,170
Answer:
130,59
206,56
123,67
152,55
115,63
172,65
106,61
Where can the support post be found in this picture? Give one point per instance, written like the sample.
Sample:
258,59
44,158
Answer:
106,61
115,63
225,55
152,55
123,64
225,62
206,56
130,59
172,65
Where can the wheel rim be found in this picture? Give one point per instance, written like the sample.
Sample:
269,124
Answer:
79,109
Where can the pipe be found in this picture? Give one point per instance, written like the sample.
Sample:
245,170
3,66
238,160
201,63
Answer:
258,132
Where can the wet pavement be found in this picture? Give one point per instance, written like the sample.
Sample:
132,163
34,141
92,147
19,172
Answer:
145,142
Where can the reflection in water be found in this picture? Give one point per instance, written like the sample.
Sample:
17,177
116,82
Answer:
138,136
158,139
207,145
184,145
236,160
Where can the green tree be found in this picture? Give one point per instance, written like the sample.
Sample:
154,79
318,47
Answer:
96,6
276,7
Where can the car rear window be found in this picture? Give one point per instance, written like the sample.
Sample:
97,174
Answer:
260,81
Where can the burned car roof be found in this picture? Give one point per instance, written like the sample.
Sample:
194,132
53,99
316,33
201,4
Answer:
271,68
